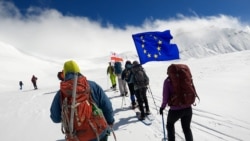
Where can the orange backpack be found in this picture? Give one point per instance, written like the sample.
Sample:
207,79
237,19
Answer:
88,120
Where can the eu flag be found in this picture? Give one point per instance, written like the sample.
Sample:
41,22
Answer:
155,46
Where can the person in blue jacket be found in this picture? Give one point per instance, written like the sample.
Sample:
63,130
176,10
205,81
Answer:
99,97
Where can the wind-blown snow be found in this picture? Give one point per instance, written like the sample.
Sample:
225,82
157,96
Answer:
212,42
222,82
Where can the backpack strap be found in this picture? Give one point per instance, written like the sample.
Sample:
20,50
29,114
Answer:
196,95
71,122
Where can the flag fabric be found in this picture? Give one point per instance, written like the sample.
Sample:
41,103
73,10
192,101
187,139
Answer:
115,58
155,46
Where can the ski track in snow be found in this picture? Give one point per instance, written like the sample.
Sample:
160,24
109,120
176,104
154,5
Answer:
199,123
216,122
201,118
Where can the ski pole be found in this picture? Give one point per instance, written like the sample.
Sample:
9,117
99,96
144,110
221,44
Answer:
149,90
123,100
163,124
108,82
113,132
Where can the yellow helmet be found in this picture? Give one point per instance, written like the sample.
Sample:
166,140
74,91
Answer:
70,66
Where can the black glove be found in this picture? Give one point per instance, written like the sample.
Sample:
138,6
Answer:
161,111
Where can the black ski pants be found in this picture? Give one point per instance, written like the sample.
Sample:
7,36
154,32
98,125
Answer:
34,84
186,116
132,93
141,95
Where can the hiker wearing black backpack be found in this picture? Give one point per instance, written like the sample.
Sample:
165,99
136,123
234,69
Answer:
21,85
121,83
111,72
178,93
82,107
140,81
127,76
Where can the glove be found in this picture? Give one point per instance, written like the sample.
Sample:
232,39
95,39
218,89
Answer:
111,125
161,111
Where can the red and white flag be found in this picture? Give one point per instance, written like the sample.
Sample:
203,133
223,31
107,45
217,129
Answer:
115,58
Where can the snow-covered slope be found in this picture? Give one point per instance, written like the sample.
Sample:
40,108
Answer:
20,66
222,82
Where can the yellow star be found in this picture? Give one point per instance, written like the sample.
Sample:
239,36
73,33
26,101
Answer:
144,51
159,42
159,48
149,55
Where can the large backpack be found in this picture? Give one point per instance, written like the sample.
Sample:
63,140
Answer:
184,92
86,122
127,74
118,67
140,77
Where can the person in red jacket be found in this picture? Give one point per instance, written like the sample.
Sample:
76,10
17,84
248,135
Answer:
33,80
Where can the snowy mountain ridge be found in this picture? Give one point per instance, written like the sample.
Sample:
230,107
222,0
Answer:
212,41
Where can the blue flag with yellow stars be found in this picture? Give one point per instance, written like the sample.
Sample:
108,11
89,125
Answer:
155,46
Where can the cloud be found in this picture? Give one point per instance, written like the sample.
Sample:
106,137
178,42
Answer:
50,33
46,32
7,9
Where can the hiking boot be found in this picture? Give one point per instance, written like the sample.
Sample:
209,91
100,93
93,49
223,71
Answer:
141,118
147,113
114,86
134,105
